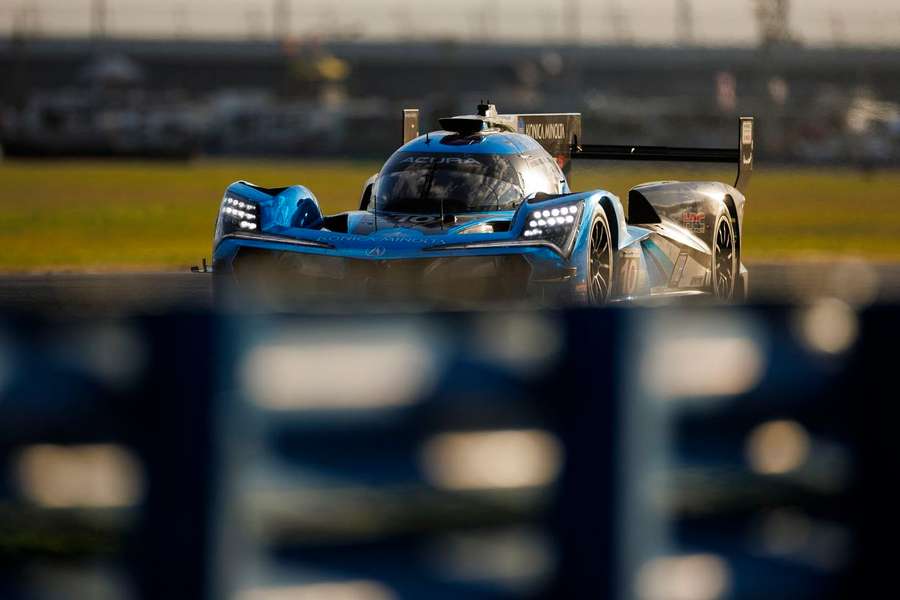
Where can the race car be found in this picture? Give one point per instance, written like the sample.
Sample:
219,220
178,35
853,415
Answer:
482,210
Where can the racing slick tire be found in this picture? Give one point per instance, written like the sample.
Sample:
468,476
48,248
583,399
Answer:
724,268
600,262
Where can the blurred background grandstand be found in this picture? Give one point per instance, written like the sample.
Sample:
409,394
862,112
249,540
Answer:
282,77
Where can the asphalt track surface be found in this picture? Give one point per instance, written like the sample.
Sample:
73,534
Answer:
73,293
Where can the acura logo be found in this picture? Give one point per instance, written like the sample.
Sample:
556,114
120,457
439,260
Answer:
376,251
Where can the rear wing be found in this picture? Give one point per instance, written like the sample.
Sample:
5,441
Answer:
742,155
560,135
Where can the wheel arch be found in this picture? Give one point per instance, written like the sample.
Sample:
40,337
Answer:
612,209
605,207
733,214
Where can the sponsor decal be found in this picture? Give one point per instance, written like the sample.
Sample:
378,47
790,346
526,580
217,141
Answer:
405,239
629,271
678,271
747,132
417,219
343,239
747,142
441,160
630,279
695,222
376,251
546,131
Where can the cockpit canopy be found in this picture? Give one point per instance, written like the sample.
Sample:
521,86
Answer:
453,183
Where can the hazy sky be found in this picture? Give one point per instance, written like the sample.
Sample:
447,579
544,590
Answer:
645,21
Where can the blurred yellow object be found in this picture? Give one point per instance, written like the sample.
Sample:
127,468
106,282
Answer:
491,459
777,447
80,476
685,577
332,68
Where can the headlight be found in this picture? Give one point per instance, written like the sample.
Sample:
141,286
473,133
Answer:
555,224
238,214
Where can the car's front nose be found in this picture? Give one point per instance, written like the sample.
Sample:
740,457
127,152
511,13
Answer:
497,273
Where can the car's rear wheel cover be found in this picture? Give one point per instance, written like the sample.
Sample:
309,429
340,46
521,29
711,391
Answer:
600,260
724,259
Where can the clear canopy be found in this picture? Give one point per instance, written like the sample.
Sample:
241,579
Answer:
435,183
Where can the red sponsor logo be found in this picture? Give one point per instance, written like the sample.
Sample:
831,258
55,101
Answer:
694,222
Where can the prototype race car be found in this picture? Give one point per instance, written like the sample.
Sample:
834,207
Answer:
483,210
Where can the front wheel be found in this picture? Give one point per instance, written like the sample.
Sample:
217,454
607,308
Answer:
600,263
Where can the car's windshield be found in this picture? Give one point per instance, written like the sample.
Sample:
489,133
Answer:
431,183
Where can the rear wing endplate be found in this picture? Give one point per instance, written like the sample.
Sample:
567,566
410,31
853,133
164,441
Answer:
742,155
410,124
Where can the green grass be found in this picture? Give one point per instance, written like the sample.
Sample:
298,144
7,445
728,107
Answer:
91,215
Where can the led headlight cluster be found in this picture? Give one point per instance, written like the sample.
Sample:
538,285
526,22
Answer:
240,214
555,224
548,219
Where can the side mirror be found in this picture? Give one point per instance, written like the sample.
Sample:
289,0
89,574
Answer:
308,214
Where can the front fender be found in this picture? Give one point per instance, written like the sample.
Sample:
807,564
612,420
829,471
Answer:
615,216
611,206
292,206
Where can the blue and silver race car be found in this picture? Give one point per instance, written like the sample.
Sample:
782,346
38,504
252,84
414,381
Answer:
483,211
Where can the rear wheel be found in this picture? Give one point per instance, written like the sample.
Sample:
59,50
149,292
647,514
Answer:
600,262
724,259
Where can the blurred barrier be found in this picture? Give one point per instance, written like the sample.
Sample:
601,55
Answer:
690,454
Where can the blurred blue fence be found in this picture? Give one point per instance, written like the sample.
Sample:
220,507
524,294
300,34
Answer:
694,454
